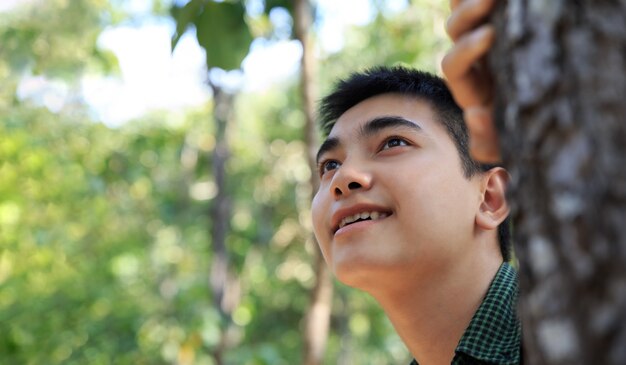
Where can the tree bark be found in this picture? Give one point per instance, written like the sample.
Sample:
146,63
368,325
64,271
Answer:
317,318
224,286
559,68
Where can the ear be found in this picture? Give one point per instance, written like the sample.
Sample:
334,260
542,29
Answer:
493,209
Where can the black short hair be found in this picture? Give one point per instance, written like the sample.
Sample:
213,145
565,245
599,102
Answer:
423,86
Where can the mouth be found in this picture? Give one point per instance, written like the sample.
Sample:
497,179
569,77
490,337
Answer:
360,217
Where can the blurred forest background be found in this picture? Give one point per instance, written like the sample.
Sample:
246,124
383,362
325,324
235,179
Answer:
108,217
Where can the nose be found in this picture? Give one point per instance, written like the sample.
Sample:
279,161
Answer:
348,179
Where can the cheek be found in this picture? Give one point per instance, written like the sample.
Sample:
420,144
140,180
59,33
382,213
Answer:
319,213
435,206
316,212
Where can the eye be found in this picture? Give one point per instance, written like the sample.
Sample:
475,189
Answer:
394,142
327,165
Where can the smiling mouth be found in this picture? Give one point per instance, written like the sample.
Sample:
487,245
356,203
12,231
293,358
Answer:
359,217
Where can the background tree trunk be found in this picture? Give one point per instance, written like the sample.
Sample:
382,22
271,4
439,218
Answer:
224,285
560,73
317,318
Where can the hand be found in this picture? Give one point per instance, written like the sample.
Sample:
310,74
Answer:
467,76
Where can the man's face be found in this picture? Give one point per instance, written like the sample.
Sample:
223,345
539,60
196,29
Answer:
392,199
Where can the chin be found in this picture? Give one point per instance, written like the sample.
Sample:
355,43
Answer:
360,275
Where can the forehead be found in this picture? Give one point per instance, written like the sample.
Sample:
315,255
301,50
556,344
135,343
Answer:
410,108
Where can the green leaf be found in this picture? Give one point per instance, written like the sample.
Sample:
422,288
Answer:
184,16
271,4
222,31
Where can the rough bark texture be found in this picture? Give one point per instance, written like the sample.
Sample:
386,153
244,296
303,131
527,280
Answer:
560,73
317,318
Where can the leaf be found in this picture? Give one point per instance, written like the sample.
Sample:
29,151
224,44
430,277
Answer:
271,4
184,16
222,31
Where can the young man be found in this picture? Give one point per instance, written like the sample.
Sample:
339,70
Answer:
405,214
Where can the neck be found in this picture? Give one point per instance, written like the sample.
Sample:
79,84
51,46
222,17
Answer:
431,315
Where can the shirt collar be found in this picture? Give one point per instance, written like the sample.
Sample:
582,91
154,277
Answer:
494,333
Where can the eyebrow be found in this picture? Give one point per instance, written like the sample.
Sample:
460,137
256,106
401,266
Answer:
377,124
369,129
329,144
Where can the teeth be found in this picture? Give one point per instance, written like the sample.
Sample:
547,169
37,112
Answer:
353,218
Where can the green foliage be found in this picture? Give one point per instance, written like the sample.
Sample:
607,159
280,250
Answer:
286,4
98,242
224,29
221,30
41,40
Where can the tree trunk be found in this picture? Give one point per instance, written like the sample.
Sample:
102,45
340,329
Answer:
223,285
559,68
317,318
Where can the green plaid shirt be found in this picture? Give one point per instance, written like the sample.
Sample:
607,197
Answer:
494,334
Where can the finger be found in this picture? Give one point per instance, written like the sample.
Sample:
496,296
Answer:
474,89
454,4
484,142
470,92
468,51
467,15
